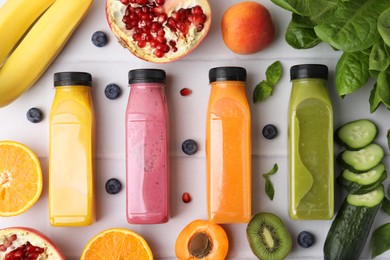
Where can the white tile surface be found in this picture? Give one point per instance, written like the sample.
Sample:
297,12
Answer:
111,64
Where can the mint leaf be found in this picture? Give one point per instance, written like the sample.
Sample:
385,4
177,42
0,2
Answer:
273,73
269,187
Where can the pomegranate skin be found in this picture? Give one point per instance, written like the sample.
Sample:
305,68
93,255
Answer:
183,45
247,28
36,238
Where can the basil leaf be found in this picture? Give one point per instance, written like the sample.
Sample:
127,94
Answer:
353,25
374,100
379,59
300,33
262,91
384,26
272,171
380,240
269,188
352,72
273,73
385,201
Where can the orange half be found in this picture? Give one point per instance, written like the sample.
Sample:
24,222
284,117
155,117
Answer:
117,243
20,178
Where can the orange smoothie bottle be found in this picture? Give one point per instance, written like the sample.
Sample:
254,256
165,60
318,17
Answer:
72,134
228,147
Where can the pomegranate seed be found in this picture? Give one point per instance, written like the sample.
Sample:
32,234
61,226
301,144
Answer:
141,44
161,39
153,43
158,53
186,197
155,26
142,2
18,253
3,248
161,32
32,256
137,36
172,43
125,2
174,49
185,92
160,2
197,10
161,18
199,27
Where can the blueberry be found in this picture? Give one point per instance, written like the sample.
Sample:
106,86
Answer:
270,131
99,39
113,186
189,147
305,239
34,115
112,91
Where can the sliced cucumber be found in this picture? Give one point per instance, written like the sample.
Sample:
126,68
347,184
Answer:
370,199
361,160
356,134
350,228
358,183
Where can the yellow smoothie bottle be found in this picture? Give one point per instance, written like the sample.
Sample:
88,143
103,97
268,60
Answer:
71,166
228,147
311,154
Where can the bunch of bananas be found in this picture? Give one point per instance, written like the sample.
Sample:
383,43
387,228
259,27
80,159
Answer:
32,33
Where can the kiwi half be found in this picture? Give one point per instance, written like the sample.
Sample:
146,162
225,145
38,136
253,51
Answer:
268,237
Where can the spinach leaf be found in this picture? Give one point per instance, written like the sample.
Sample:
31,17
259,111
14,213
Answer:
383,83
379,58
374,100
384,26
264,89
380,240
300,32
295,6
353,25
352,72
320,10
269,187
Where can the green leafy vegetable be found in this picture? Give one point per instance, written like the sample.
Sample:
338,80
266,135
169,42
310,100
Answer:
359,28
354,25
386,206
269,187
300,33
384,26
352,72
264,89
380,241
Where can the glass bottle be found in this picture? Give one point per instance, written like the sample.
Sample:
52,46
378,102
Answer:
228,147
147,154
311,154
71,155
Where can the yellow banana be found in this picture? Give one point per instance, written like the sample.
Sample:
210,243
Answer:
16,16
39,47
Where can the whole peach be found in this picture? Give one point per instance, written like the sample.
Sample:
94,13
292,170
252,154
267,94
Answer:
247,27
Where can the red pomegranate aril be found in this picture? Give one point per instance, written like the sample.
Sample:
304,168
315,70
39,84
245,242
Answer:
199,27
32,256
160,2
186,197
3,248
197,10
155,26
161,32
161,39
142,2
141,44
185,92
158,53
125,2
162,17
153,43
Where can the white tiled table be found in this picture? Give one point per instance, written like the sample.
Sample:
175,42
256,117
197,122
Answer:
188,114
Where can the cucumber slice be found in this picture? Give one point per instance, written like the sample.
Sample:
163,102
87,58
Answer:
358,183
361,160
356,134
370,199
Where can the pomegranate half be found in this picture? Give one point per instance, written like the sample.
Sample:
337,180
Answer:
26,243
159,31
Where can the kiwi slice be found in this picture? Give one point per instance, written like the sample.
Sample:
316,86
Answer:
268,237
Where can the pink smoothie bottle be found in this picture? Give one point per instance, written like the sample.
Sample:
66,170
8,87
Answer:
147,138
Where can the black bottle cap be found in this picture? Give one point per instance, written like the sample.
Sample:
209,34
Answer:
72,78
227,74
147,76
305,71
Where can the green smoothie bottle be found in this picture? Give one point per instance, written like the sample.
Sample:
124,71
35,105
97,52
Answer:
311,154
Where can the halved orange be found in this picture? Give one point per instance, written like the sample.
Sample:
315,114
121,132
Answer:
20,178
117,243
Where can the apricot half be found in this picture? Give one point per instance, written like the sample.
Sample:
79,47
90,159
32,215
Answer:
202,239
247,27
